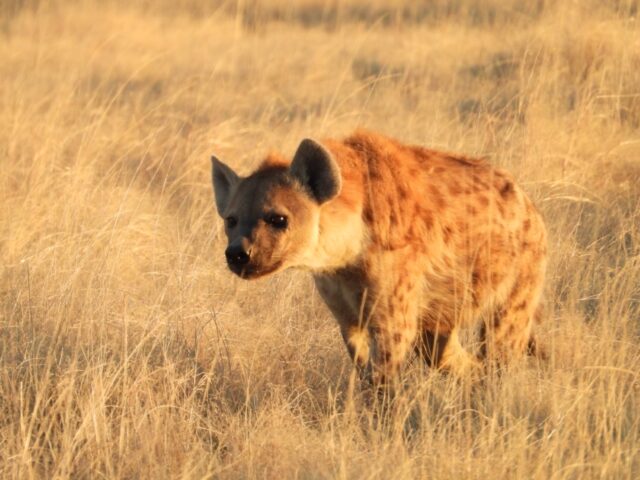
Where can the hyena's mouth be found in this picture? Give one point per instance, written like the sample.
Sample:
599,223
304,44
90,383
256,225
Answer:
251,272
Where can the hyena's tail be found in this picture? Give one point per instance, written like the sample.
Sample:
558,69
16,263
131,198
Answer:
533,347
535,350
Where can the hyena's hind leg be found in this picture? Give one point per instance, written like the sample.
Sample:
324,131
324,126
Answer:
508,334
444,351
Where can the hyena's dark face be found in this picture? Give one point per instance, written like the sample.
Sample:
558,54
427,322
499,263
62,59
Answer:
269,224
271,217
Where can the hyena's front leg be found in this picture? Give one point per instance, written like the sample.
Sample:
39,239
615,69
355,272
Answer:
393,318
344,296
443,350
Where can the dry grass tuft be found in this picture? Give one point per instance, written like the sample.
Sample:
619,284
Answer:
127,350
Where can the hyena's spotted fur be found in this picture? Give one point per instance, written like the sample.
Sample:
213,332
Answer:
407,245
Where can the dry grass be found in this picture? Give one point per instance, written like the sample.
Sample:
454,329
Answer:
127,350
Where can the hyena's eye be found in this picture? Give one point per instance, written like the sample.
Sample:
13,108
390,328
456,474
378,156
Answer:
277,221
231,222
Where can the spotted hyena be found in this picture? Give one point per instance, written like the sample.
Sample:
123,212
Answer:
406,245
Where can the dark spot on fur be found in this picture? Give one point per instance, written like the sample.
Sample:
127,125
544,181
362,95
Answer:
393,219
446,234
374,174
454,188
507,189
497,317
427,219
496,278
479,183
397,337
521,306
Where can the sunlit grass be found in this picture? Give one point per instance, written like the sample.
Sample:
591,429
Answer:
126,348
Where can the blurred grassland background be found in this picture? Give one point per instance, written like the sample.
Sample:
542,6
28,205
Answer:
128,351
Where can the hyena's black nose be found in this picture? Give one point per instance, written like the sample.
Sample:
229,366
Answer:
236,255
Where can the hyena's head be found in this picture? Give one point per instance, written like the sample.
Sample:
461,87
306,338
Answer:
272,216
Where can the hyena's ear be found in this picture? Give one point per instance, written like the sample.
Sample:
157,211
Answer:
223,180
317,170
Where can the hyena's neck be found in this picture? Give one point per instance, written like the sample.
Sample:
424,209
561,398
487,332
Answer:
342,237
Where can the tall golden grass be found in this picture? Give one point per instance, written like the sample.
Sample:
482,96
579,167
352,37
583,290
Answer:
128,351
